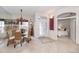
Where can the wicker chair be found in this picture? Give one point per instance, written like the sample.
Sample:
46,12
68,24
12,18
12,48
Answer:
18,39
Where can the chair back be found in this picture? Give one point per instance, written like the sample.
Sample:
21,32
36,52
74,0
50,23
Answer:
17,35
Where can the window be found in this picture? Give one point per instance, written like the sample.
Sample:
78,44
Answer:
1,26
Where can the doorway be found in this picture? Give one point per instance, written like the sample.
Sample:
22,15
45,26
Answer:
40,27
67,26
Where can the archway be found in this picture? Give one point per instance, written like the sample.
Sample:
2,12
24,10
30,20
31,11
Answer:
66,25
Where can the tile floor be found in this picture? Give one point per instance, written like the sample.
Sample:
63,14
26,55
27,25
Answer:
44,45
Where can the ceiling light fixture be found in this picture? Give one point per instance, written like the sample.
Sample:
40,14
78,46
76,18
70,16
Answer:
21,18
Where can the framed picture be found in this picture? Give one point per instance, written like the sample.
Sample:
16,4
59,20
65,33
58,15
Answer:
51,23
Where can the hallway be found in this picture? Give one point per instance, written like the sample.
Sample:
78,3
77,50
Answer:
44,45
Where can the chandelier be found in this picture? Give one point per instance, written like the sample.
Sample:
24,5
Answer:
21,18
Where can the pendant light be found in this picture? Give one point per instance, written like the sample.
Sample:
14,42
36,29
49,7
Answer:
21,18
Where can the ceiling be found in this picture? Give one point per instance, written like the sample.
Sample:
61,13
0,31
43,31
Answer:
28,10
31,10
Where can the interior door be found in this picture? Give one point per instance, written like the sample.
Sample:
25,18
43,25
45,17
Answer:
43,28
40,26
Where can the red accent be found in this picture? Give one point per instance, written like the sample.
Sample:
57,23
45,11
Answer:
51,23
